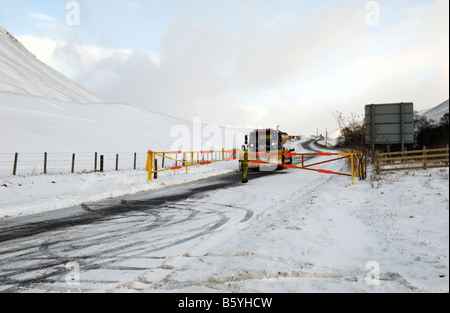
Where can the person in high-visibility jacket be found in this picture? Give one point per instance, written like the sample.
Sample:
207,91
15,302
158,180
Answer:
244,166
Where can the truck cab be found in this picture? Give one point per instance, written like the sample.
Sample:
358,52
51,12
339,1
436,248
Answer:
266,149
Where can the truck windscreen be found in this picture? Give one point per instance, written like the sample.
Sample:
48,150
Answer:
265,141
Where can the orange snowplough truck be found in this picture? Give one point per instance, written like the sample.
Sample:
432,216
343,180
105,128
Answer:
266,149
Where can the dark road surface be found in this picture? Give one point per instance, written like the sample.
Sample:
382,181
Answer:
38,252
20,227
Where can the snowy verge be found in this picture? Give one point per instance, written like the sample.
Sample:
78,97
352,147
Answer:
311,232
28,195
294,231
319,233
35,194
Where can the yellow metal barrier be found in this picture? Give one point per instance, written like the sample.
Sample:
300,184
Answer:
308,167
232,155
151,159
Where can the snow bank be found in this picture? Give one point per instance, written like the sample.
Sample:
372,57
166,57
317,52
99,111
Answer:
316,233
34,194
294,231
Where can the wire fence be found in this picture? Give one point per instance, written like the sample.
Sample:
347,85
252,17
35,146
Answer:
32,164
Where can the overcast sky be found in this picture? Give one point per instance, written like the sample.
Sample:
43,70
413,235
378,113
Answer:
244,62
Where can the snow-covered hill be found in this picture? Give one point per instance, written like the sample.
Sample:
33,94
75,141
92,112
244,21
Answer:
22,73
41,110
436,113
34,125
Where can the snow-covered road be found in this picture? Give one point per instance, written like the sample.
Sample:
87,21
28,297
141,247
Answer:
294,231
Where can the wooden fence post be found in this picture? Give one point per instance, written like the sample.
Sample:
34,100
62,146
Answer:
446,163
135,161
102,159
377,161
16,156
424,157
45,163
73,163
95,162
117,162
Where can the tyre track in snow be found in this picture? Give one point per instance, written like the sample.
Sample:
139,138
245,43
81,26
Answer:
109,235
34,255
103,245
259,269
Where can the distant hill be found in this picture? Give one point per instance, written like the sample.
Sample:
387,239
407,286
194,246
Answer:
41,110
435,114
34,125
22,73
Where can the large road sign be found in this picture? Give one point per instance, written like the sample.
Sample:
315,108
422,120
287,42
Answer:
390,123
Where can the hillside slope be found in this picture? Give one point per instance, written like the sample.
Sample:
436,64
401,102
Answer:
22,73
34,125
435,114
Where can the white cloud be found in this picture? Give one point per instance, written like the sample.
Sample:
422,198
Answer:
43,18
296,75
41,48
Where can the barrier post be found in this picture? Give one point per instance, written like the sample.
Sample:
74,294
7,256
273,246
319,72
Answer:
149,165
153,161
353,173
